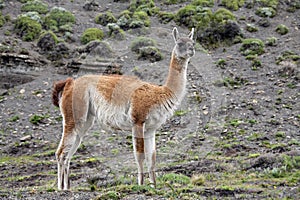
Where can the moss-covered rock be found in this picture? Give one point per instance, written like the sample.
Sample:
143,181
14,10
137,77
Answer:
282,29
35,6
233,4
265,12
150,53
102,50
91,34
47,41
252,46
105,18
27,28
58,17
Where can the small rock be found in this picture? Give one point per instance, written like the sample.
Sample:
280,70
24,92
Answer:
22,91
25,138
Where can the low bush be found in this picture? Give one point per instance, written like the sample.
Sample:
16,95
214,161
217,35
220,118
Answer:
35,6
27,28
91,34
252,46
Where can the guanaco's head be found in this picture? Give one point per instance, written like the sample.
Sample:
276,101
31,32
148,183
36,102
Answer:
184,47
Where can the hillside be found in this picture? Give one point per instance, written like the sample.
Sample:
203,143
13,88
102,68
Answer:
235,136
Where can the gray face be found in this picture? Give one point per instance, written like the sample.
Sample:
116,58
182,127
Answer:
185,48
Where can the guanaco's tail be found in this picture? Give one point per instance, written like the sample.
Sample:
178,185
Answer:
58,88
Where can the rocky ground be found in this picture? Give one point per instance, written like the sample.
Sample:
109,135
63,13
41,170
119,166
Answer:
235,136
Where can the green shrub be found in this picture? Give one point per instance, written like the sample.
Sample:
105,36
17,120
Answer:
268,3
34,16
146,49
233,4
271,41
141,42
252,46
139,19
91,34
147,6
2,4
27,28
58,17
222,15
282,29
265,12
2,20
105,18
165,17
35,6
124,19
287,55
186,16
116,32
150,53
251,28
203,3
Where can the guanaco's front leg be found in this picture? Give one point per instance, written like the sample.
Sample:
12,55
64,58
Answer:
150,154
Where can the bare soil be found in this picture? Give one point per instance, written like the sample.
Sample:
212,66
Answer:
243,137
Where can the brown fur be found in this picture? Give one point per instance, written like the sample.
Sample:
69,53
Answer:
111,87
67,107
175,64
139,145
106,86
58,87
145,97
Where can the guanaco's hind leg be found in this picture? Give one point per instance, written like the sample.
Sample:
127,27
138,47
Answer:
64,153
138,147
68,146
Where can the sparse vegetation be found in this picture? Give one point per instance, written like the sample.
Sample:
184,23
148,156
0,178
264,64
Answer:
57,18
252,46
35,6
27,28
282,29
91,34
235,136
2,20
233,4
105,18
266,12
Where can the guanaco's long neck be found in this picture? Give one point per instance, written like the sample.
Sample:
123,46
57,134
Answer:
176,80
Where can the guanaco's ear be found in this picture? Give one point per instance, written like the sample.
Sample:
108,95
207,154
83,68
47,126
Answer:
191,35
175,34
